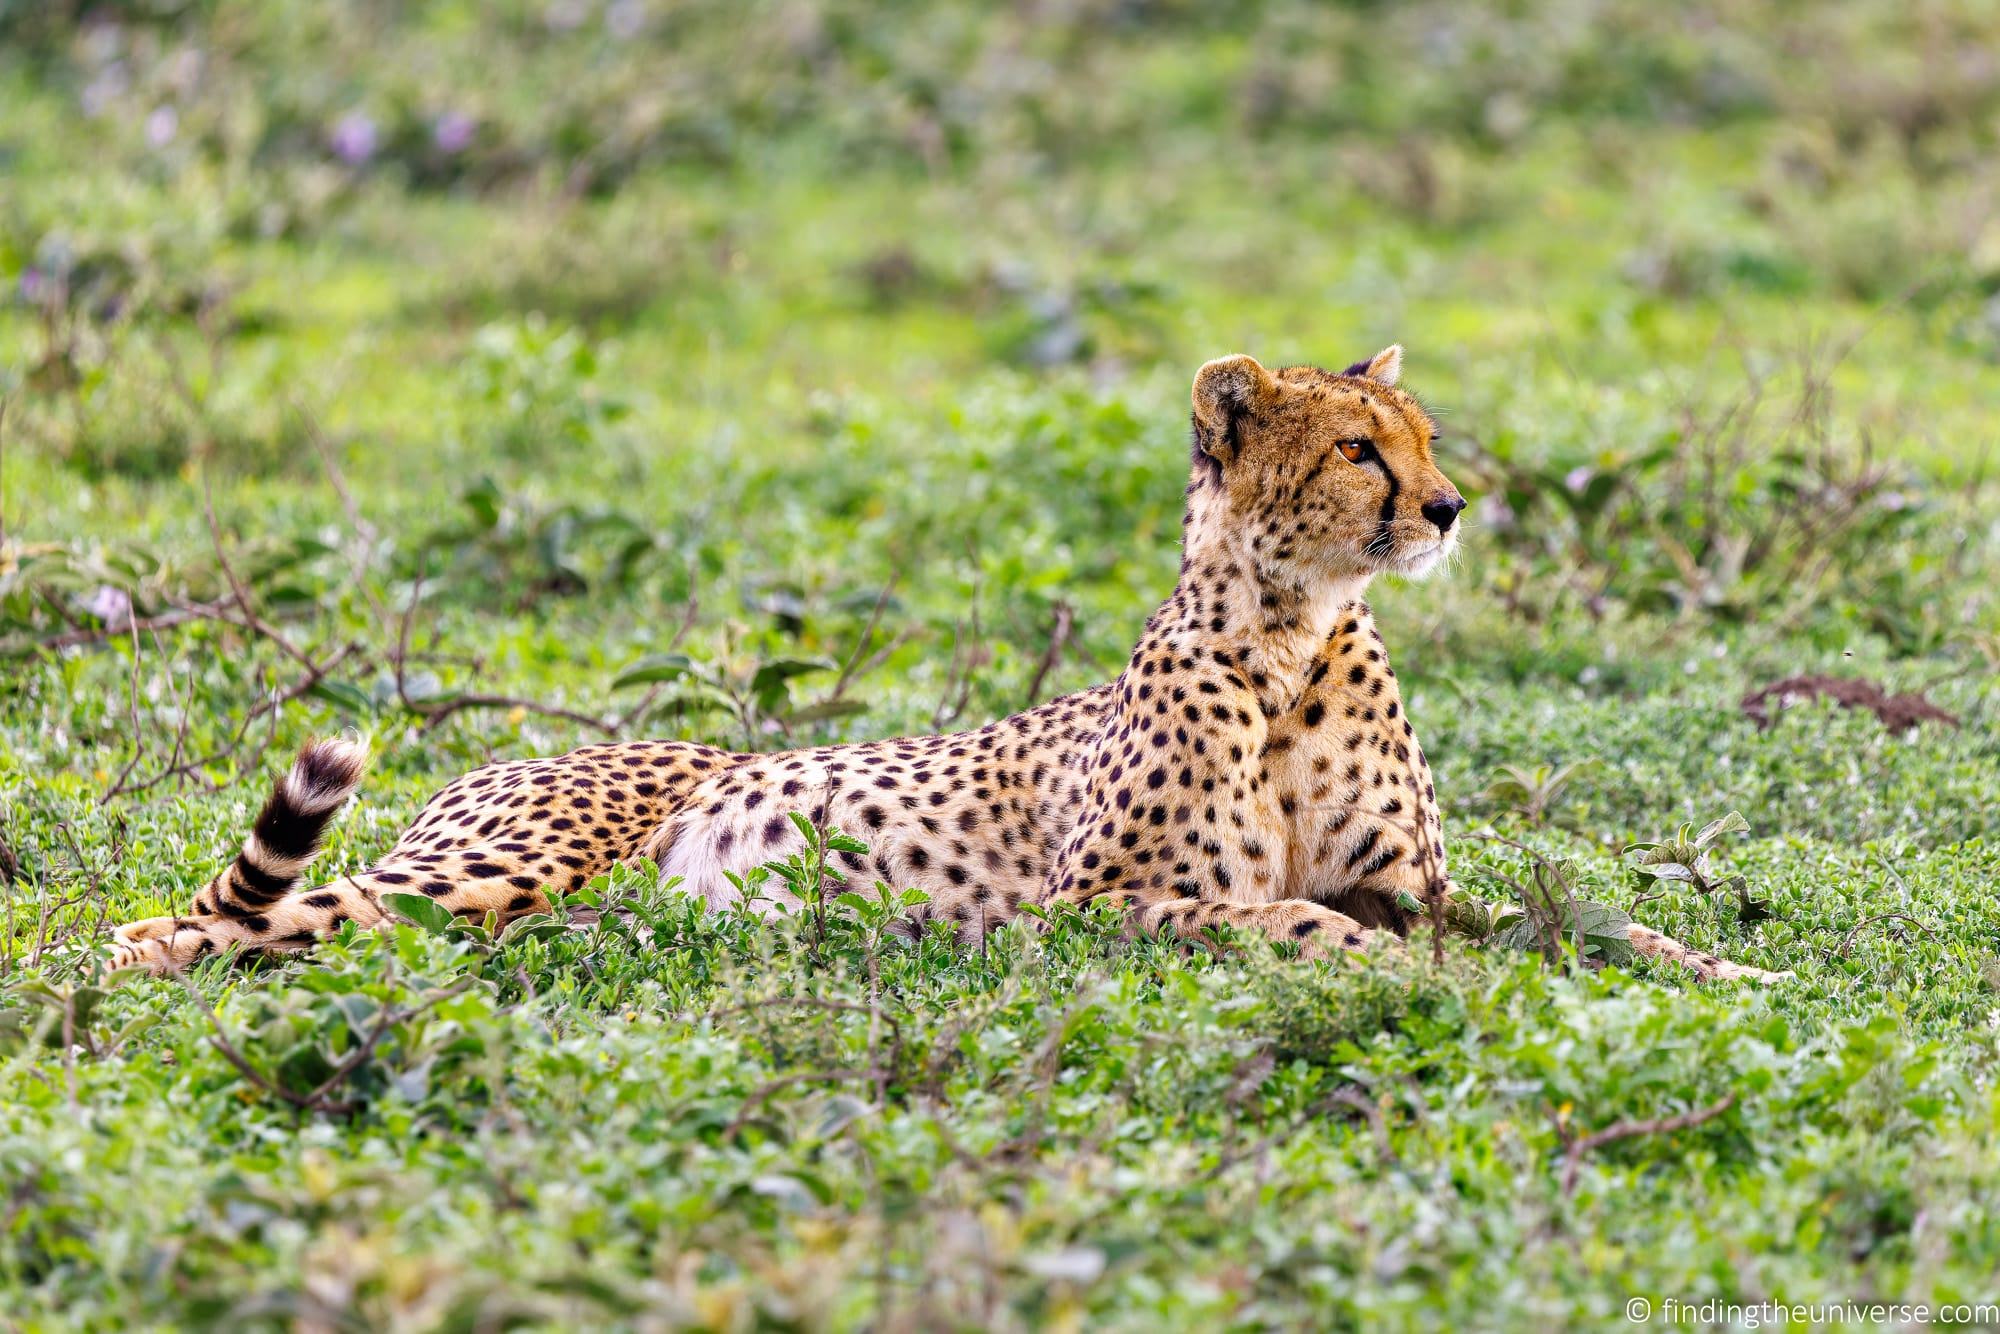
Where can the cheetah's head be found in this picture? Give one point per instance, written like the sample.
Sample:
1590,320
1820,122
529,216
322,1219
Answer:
1323,475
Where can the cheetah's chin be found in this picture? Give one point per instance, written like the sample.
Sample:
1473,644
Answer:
1420,563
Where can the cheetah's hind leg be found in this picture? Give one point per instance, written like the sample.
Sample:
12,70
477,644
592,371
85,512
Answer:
1707,967
170,944
291,924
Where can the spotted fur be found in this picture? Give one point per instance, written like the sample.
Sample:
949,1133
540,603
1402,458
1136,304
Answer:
1253,766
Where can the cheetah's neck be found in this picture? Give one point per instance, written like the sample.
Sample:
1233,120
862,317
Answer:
1227,607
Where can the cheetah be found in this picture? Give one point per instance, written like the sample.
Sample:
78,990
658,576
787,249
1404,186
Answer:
1253,766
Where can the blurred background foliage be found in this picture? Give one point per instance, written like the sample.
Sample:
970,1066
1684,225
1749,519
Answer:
1670,271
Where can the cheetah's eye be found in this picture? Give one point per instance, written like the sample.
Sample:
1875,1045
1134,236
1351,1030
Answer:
1357,451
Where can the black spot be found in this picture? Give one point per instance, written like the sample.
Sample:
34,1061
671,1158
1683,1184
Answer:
1367,845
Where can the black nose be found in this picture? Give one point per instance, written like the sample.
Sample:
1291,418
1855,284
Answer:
1444,511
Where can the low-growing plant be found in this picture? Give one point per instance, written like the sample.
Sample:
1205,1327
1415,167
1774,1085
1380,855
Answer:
1549,917
542,383
1532,793
1731,514
1687,859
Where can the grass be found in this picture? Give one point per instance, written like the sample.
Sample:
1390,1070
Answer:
868,341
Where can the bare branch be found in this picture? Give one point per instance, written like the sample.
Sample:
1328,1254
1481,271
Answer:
321,1098
1059,632
1618,1130
1847,941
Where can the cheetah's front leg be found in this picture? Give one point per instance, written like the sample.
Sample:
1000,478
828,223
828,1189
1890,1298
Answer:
1319,931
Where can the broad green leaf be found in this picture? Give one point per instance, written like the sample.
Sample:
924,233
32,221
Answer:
426,913
827,710
1729,824
653,669
344,695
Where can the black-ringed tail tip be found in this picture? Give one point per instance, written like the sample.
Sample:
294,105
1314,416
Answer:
287,834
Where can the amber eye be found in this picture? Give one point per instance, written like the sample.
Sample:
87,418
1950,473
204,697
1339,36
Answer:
1357,451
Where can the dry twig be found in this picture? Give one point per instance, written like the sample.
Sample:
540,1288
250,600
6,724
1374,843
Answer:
1846,941
1059,632
321,1098
1617,1130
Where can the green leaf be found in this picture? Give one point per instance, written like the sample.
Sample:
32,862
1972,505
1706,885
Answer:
420,911
484,500
1522,935
1729,824
1606,932
698,699
768,682
344,695
653,669
827,710
536,926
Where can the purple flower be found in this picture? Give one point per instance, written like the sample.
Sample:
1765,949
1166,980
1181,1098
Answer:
161,126
565,15
110,84
452,132
1576,479
112,606
353,139
625,19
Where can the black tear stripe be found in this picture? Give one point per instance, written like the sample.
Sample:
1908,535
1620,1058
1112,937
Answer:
1383,536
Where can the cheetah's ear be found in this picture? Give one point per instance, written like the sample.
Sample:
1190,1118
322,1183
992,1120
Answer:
1385,366
1225,390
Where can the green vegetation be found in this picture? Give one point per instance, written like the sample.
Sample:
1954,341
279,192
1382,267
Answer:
493,378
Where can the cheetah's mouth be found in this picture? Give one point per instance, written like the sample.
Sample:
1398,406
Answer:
1415,560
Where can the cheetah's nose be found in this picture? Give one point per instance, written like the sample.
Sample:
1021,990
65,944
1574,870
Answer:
1443,511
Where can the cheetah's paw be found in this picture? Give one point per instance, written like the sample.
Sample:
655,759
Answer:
160,945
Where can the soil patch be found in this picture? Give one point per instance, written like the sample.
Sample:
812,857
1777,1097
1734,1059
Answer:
1898,713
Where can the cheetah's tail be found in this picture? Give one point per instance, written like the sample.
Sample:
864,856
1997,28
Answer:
286,836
